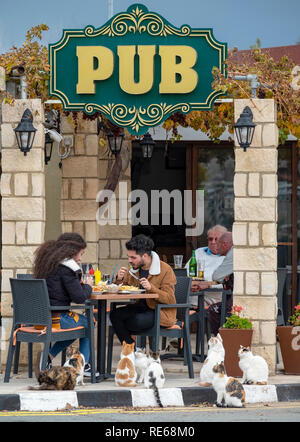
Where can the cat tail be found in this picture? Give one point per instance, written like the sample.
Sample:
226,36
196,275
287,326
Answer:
152,380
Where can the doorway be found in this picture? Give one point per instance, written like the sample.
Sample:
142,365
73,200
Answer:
164,172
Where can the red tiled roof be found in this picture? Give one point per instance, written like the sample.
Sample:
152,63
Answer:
293,52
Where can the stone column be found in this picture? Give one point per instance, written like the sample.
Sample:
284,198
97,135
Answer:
80,178
114,235
84,174
23,203
255,227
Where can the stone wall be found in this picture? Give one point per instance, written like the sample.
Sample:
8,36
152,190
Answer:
23,202
84,174
255,227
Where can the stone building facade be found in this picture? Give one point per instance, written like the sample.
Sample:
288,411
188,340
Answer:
85,173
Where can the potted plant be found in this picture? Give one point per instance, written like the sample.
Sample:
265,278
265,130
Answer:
289,340
236,331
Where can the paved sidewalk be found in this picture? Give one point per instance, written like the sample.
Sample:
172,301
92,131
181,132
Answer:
178,390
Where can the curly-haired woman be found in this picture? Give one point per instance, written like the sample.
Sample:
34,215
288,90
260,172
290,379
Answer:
58,263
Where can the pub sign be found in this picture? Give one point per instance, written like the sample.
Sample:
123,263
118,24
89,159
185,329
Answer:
137,69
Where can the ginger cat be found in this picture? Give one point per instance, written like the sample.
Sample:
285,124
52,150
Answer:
126,373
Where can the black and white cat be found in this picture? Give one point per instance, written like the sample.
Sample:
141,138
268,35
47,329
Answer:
230,392
154,375
254,367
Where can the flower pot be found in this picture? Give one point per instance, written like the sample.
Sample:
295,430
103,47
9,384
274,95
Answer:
232,339
289,340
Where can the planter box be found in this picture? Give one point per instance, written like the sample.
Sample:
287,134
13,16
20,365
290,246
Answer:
232,339
289,340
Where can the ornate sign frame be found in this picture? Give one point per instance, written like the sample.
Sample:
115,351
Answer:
136,26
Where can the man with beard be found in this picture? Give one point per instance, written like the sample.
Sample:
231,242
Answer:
148,272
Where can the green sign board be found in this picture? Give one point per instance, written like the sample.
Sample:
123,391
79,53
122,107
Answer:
137,69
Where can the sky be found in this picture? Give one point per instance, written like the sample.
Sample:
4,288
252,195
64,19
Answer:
236,22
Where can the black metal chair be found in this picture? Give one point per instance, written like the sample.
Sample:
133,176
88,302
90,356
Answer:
182,290
17,350
31,307
180,272
197,317
25,276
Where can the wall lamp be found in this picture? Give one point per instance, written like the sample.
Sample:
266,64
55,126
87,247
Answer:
244,128
115,135
115,142
51,135
25,132
147,144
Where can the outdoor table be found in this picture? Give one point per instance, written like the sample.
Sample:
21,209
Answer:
101,300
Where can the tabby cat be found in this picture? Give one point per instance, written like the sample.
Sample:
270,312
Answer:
61,378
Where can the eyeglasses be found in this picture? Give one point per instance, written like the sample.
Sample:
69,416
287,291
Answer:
211,239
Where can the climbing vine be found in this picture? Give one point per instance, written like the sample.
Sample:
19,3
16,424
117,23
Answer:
276,78
33,57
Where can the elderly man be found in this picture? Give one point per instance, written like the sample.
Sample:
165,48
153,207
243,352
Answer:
210,259
225,248
224,275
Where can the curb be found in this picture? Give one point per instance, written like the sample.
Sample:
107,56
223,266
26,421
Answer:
184,396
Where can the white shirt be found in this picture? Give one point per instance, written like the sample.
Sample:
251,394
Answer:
210,263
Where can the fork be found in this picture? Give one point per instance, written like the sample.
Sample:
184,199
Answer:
132,274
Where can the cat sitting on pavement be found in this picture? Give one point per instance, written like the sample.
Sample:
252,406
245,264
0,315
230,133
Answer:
76,360
230,392
254,367
215,355
61,378
126,373
141,364
154,375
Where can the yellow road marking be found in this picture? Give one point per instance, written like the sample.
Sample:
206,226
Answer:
145,410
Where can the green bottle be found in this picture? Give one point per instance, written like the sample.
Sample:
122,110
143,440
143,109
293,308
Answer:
193,265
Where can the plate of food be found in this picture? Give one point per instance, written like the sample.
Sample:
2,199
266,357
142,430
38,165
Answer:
127,289
104,288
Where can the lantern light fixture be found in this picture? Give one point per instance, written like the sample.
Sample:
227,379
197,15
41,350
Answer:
48,147
25,132
115,142
147,144
244,128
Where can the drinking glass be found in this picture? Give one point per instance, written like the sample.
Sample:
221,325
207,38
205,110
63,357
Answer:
178,261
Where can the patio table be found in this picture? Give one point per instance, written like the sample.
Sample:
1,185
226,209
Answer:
101,300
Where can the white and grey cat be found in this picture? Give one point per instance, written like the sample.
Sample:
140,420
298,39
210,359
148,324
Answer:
254,367
154,375
215,355
230,391
141,364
